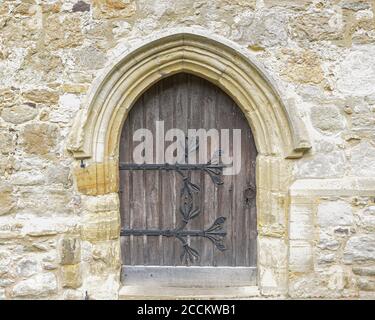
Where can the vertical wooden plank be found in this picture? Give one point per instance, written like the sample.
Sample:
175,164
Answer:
181,114
242,240
151,181
252,227
209,212
168,179
138,195
195,112
125,190
225,196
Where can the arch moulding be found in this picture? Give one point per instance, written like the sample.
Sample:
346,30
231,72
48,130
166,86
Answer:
278,132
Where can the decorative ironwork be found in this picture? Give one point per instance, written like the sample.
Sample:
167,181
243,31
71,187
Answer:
215,233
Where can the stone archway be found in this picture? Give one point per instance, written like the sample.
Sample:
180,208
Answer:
279,136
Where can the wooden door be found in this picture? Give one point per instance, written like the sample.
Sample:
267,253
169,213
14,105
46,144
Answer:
152,199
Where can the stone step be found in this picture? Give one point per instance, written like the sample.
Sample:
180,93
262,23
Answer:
177,293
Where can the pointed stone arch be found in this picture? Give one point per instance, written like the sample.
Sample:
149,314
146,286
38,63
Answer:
275,123
278,131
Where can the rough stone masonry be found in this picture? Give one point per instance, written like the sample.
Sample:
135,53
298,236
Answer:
320,52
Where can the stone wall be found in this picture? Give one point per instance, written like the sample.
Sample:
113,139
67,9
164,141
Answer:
57,243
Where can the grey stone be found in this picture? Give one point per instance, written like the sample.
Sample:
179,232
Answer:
27,267
366,219
39,285
356,73
343,231
360,249
355,5
363,159
327,119
327,165
326,258
6,142
335,213
5,262
90,58
328,244
70,251
364,271
7,281
366,284
59,174
81,6
19,114
2,294
28,178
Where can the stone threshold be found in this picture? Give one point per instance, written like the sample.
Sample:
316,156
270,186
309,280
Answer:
180,293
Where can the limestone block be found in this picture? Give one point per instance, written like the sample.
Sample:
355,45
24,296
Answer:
10,229
8,97
355,5
366,284
7,165
39,138
71,276
19,114
363,159
7,200
302,66
301,222
28,178
366,219
5,262
59,174
327,118
325,258
7,280
45,202
266,29
41,96
70,250
300,256
327,242
322,165
6,142
74,88
72,294
335,213
107,202
360,249
106,256
90,58
364,271
272,210
272,252
317,26
113,9
2,294
273,281
101,226
336,280
63,32
97,178
49,226
104,287
27,267
42,284
69,104
357,71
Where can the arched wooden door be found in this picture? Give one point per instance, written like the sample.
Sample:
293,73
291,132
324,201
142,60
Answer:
153,200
